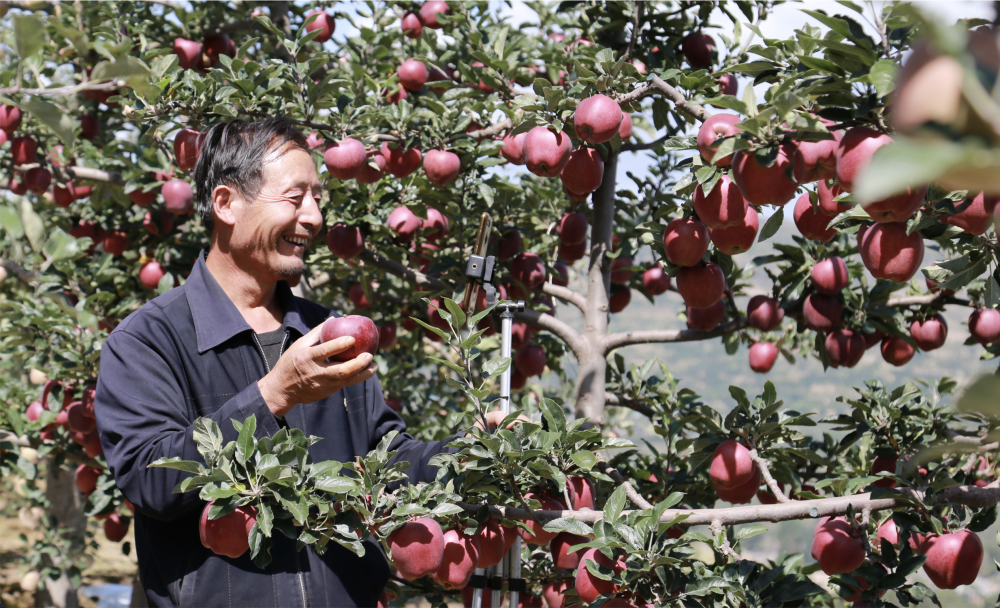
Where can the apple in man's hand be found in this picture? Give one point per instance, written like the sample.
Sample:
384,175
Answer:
362,329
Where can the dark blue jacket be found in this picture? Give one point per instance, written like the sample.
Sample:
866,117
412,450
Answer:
189,353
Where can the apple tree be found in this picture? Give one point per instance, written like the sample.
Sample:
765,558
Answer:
427,115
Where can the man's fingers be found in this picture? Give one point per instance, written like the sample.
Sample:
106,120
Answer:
342,371
322,352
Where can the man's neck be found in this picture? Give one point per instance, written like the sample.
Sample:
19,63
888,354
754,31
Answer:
254,298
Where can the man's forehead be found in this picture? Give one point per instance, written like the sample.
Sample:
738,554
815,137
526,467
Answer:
289,167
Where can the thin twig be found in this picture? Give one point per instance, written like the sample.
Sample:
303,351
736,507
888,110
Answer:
90,85
764,465
634,496
656,84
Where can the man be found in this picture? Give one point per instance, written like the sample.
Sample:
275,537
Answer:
233,342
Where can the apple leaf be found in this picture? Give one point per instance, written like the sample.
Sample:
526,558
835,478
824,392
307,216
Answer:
60,245
772,225
29,35
573,526
63,124
34,228
11,222
981,396
907,163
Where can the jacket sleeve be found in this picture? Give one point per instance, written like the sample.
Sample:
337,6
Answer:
143,415
417,453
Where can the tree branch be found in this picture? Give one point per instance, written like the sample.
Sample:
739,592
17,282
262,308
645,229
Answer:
26,442
634,496
920,300
632,404
633,147
492,130
86,173
765,465
618,340
90,85
404,272
656,84
568,335
565,294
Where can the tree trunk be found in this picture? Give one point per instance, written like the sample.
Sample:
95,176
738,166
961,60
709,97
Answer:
590,379
67,507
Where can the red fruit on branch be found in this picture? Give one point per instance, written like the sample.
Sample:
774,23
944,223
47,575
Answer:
827,203
150,275
215,46
159,225
538,536
345,159
731,465
765,185
706,319
34,411
227,535
701,286
417,548
572,228
716,127
873,338
370,174
344,241
546,152
553,592
953,559
188,53
822,312
436,226
78,420
896,350
38,180
888,464
16,185
400,162
889,253
63,197
362,329
517,380
387,335
976,215
458,561
739,238
620,273
620,298
588,586
89,127
412,74
836,548
10,118
323,23
812,222
114,528
855,152
727,84
685,241
528,269
530,360
929,333
411,25
510,244
492,545
178,198
404,223
441,167
560,546
764,313
143,199
698,49
429,12
584,172
597,119
521,335
86,478
887,531
829,276
561,275
723,207
581,492
187,147
116,242
844,348
740,494
513,148
625,129
655,280
897,208
984,325
815,160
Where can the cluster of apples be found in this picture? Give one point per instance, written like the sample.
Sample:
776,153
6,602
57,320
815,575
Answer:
348,159
24,151
227,535
76,416
203,55
413,23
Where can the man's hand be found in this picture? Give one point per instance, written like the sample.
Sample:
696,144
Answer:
303,374
495,417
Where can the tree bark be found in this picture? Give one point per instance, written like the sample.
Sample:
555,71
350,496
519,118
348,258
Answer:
66,506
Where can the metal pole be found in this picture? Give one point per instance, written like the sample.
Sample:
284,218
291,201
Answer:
512,561
477,594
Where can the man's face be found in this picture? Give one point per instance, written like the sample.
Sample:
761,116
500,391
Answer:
271,233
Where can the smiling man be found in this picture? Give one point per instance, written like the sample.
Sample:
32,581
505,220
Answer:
234,342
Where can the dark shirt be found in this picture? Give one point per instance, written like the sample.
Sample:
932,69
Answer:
189,353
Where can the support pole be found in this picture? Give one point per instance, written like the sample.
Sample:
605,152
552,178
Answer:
512,562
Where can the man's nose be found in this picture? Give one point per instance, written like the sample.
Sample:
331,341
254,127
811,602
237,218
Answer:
309,213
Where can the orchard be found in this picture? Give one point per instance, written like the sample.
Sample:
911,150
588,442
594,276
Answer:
876,134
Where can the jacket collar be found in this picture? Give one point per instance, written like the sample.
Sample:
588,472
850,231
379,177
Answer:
216,318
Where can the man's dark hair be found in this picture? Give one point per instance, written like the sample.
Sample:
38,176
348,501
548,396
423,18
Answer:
233,153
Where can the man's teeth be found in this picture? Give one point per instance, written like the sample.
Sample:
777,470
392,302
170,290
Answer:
296,241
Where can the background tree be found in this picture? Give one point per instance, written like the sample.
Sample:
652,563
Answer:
418,125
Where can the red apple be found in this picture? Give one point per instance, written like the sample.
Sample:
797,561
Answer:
369,174
399,162
10,118
492,545
597,119
812,222
656,280
356,294
829,276
345,159
429,12
887,531
458,560
34,411
362,329
394,404
62,197
844,348
86,479
527,268
572,253
929,333
977,216
581,492
412,74
698,49
889,253
38,180
538,536
159,225
517,380
738,238
835,546
723,207
546,152
396,95
855,152
706,319
441,167
560,545
324,23
227,535
560,276
387,335
404,223
822,312
217,45
572,228
685,241
116,242
93,449
701,286
815,160
764,313
143,199
510,244
188,52
827,194
178,198
521,335
584,171
151,274
765,185
731,465
620,298
513,148
436,226
727,84
740,494
553,592
314,140
713,129
16,185
953,559
984,325
530,360
114,528
896,350
411,25
187,147
344,241
873,338
89,127
620,275
588,586
625,129
884,463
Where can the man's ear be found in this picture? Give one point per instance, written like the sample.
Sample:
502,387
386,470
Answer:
225,203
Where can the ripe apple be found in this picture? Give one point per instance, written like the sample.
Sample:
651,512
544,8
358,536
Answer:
764,313
187,147
727,84
370,174
812,222
855,153
625,129
740,494
143,199
822,312
829,276
815,160
738,238
404,223
657,281
34,411
188,53
620,273
572,253
698,49
584,171
827,194
731,465
530,360
509,245
723,207
314,140
513,148
844,348
560,545
553,592
538,536
546,152
362,329
588,586
458,561
560,276
685,241
16,185
836,548
984,325
889,253
324,23
38,180
216,45
620,298
412,74
765,185
86,479
977,216
10,118
441,167
114,528
395,95
706,319
929,333
517,380
62,197
150,274
116,242
884,463
436,226
482,86
896,350
227,535
897,208
178,198
873,338
701,286
429,12
581,492
521,335
399,162
953,559
887,531
356,294
159,225
713,129
387,335
572,228
89,127
344,241
345,159
597,119
492,545
411,25
528,269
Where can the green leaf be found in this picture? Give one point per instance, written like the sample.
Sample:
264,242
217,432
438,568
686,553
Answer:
883,76
500,42
29,35
245,442
62,124
458,317
564,524
554,415
616,503
444,336
495,367
981,396
60,245
992,292
772,225
208,438
335,485
585,459
181,465
34,228
11,221
77,38
133,71
749,531
909,163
